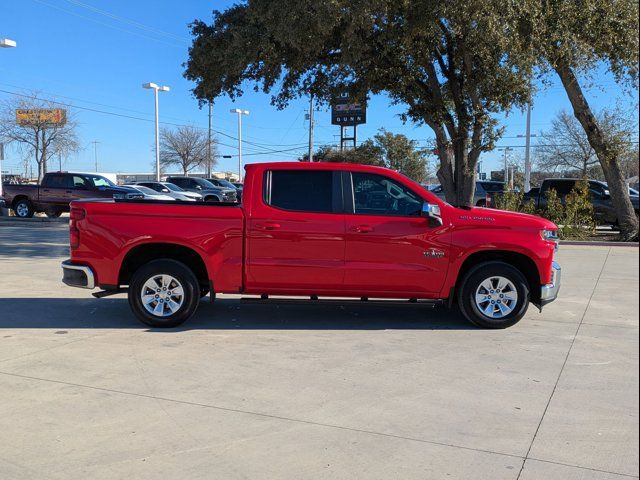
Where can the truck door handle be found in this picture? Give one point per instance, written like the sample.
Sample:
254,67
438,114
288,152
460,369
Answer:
362,228
269,226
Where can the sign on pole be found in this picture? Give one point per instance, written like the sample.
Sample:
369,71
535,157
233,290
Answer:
43,117
346,113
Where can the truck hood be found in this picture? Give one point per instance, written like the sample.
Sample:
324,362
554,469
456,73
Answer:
503,218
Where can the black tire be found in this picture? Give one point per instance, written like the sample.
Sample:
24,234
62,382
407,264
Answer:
471,283
212,199
53,213
186,279
481,203
23,208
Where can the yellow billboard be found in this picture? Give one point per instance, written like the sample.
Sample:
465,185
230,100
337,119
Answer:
44,117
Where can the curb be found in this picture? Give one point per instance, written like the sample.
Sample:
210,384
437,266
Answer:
586,243
36,220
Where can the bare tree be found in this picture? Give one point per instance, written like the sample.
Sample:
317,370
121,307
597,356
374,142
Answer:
40,139
186,147
565,147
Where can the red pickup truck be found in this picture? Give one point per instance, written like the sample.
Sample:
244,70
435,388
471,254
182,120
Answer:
315,230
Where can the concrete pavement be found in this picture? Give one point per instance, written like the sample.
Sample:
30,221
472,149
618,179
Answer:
315,392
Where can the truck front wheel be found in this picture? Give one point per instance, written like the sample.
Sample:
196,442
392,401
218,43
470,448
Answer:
494,295
164,293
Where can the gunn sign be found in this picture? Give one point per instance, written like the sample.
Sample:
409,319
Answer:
346,113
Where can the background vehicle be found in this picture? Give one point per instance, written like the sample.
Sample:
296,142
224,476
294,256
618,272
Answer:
602,205
57,190
312,230
166,188
239,187
209,192
483,188
219,182
150,194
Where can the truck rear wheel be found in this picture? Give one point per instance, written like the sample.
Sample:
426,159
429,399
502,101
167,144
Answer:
494,295
164,293
23,208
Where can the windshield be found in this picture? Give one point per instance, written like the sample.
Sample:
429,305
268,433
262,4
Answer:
145,190
173,187
226,184
205,184
99,181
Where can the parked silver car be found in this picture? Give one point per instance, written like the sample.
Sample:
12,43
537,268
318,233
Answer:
167,188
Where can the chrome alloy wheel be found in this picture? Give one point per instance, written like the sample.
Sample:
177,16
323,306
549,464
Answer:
496,297
162,295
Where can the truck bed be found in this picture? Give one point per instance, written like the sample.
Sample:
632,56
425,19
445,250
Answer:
110,230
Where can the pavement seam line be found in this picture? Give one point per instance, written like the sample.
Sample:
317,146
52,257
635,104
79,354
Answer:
564,364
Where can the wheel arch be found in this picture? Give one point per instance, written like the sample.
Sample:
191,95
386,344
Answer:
146,252
517,260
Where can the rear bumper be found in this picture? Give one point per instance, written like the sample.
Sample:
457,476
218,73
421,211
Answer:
79,276
549,292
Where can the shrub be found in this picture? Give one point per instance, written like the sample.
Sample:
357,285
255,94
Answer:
578,221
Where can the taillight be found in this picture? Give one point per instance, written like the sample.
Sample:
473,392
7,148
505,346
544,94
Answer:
74,233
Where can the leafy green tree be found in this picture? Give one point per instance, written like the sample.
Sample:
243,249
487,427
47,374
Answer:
574,38
386,149
452,64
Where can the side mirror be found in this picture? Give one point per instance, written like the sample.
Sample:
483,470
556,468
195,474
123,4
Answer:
432,212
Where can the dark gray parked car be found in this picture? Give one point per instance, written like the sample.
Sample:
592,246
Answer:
209,191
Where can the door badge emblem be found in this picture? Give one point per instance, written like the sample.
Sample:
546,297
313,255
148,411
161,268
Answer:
434,253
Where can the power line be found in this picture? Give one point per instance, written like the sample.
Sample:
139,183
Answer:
133,23
69,12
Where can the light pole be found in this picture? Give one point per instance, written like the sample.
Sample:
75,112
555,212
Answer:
239,112
156,88
4,43
506,167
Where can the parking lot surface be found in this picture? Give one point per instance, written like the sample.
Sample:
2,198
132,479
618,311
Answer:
315,391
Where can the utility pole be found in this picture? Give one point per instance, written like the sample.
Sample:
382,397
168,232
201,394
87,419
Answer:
311,128
209,151
95,153
527,152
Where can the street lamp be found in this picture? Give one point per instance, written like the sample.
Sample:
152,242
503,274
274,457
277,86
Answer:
156,88
506,167
239,112
4,43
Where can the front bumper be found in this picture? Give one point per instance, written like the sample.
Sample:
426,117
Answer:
549,292
77,275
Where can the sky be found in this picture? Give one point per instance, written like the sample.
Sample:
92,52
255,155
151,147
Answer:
96,54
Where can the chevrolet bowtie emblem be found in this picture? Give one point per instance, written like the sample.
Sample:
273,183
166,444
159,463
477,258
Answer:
434,253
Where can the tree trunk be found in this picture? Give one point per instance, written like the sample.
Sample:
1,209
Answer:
607,155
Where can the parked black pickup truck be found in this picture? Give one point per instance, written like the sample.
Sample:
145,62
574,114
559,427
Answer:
602,205
57,190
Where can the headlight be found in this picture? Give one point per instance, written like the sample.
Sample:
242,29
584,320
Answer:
550,236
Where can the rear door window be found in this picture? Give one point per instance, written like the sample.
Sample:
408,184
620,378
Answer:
562,187
300,190
54,181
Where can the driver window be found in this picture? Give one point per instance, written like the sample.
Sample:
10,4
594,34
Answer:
378,195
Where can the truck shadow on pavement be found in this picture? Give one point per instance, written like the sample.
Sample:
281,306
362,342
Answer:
226,314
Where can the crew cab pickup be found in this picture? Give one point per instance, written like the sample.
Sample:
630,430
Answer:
338,231
57,191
